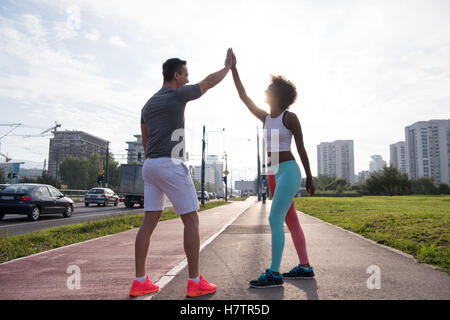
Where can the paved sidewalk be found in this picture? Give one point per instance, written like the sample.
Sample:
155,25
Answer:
106,264
340,260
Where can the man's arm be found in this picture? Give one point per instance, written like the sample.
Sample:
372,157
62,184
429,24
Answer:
144,138
293,124
214,78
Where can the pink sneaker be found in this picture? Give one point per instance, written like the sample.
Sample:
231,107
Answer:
139,289
200,289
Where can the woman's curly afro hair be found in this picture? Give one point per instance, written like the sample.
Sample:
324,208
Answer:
284,91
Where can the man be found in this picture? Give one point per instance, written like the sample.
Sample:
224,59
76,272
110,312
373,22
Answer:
165,174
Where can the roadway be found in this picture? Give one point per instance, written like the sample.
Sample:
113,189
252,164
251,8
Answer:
14,224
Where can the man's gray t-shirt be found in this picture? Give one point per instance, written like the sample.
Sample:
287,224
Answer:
162,115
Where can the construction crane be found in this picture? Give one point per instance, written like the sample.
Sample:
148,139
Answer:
7,159
14,125
43,133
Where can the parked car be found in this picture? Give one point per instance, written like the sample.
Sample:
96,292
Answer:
3,186
34,200
199,195
101,196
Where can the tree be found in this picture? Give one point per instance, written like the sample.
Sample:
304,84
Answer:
443,188
322,181
340,183
2,176
197,184
26,180
113,172
388,181
424,185
74,172
46,178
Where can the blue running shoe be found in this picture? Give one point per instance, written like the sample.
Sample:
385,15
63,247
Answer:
300,272
267,280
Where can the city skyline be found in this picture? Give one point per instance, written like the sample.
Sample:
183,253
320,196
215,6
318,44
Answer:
364,70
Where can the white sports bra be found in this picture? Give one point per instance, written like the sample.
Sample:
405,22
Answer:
278,137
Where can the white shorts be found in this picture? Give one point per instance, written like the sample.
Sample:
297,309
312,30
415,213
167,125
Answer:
168,177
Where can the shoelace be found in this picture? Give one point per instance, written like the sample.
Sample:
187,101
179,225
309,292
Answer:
264,276
299,267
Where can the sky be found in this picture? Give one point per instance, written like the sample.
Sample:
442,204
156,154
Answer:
363,69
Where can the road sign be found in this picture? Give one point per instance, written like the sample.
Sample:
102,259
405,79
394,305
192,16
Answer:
100,171
63,186
226,172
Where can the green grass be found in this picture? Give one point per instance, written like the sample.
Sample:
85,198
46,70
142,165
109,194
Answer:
239,198
418,225
13,247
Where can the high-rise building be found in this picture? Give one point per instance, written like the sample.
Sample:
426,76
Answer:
377,163
363,176
336,159
210,176
77,144
134,147
428,150
215,162
398,156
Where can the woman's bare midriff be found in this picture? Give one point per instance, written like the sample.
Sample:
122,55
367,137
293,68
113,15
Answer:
283,156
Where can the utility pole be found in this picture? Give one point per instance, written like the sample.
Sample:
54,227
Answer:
107,162
259,165
226,173
203,168
264,169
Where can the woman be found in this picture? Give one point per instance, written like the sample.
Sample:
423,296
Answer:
284,175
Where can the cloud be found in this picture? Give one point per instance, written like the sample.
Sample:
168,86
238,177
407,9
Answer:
93,35
117,41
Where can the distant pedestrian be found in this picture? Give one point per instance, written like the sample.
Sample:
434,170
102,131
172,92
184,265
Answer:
284,175
165,174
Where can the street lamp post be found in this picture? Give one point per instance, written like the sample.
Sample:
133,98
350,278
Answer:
226,172
258,163
203,168
107,165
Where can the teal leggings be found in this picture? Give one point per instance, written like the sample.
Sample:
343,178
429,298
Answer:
288,179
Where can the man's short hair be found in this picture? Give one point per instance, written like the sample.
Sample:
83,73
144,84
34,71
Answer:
171,66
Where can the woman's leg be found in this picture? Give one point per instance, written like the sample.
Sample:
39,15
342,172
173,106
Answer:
287,186
297,234
293,224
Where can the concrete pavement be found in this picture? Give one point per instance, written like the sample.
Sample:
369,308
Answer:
105,266
340,259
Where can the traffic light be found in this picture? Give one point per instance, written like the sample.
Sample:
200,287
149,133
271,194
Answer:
139,156
100,179
224,179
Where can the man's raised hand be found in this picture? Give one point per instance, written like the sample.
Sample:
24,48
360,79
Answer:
229,58
233,64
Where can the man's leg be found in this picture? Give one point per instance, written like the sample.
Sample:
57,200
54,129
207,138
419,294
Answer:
191,242
143,240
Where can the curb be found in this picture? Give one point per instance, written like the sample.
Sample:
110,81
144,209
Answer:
397,251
